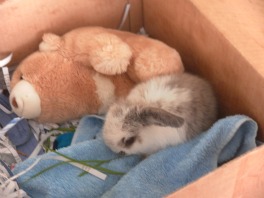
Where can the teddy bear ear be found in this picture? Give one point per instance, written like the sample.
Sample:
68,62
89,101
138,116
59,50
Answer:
50,42
111,55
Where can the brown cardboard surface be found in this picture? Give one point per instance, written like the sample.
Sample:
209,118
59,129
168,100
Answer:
221,40
243,177
208,48
22,23
136,15
241,23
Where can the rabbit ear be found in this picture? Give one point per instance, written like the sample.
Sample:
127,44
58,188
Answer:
156,116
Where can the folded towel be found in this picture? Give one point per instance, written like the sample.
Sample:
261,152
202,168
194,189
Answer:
156,176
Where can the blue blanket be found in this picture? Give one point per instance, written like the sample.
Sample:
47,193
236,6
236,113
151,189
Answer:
156,176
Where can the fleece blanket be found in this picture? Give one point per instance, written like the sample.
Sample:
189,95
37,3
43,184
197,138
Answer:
155,176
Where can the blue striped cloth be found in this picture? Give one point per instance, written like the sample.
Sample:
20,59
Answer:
20,135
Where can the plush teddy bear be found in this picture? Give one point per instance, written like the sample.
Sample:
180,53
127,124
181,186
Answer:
85,71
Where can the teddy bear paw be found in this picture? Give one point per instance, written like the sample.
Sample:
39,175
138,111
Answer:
112,57
50,42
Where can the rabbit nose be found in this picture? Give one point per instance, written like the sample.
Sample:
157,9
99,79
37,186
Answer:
122,153
14,102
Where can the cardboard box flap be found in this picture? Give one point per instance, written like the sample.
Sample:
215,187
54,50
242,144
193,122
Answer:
210,47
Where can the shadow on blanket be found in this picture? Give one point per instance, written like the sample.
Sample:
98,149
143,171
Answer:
156,176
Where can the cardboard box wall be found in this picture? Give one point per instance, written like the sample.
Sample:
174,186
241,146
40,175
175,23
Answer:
220,40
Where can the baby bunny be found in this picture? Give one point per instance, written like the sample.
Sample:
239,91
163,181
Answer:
161,112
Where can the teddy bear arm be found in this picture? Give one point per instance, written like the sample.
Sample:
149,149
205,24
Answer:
150,63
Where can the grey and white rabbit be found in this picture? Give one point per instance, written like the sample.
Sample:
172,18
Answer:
164,111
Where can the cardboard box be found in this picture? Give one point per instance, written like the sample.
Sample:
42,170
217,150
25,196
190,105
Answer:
220,40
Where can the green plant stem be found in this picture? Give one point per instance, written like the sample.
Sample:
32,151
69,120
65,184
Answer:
44,170
97,166
71,129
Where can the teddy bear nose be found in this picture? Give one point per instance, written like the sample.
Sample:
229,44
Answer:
14,102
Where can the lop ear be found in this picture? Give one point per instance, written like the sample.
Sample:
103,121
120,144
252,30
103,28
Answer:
156,116
109,54
50,42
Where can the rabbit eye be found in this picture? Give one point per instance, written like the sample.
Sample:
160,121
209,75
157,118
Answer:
128,142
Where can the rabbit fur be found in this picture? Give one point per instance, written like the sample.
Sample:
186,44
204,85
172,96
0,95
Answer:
161,112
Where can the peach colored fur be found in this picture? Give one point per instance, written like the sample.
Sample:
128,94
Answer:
62,70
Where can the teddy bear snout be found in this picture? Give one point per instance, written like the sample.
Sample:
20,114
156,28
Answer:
14,102
25,101
17,105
